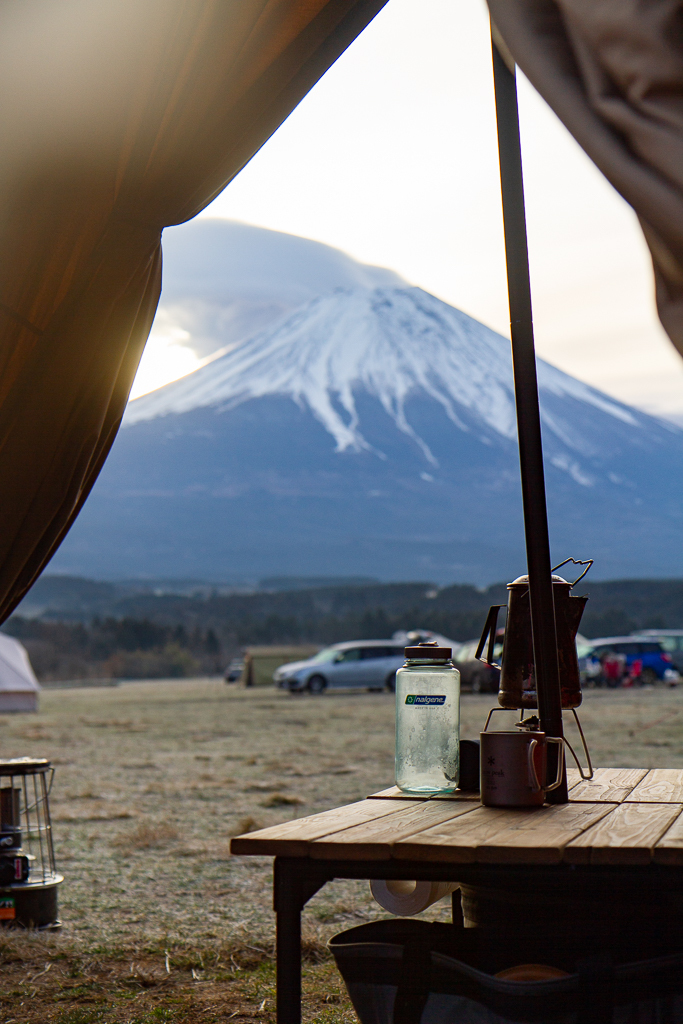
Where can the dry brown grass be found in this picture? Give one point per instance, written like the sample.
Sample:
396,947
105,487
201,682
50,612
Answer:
248,824
152,781
44,980
147,836
282,800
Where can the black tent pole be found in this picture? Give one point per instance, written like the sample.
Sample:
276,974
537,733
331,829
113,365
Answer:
528,413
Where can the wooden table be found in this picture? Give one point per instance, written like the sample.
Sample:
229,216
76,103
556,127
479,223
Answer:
623,818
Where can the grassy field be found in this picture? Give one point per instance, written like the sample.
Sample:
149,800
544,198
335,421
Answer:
152,780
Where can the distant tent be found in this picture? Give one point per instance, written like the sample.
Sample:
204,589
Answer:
19,687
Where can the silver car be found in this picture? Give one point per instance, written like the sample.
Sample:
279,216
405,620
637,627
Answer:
368,663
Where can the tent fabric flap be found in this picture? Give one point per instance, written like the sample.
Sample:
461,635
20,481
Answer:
119,118
613,73
16,673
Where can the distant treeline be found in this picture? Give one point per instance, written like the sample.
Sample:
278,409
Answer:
149,635
116,649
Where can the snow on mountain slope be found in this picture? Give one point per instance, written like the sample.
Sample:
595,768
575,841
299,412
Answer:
388,343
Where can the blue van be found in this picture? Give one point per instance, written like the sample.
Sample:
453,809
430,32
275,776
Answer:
657,664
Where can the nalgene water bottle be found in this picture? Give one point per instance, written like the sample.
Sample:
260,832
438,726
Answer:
427,720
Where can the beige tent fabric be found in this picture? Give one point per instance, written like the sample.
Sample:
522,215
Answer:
612,70
118,118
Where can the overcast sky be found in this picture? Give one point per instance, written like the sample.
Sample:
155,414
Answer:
392,157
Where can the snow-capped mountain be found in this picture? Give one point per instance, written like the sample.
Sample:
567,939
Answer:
388,343
372,431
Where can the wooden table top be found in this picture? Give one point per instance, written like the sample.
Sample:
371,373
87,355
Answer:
624,816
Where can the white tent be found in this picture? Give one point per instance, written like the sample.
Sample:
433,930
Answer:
19,687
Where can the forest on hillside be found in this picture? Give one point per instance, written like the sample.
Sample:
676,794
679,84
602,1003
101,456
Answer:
148,635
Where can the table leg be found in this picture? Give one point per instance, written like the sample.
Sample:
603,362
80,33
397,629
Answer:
293,886
456,901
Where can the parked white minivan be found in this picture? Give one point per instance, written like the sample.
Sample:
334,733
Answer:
363,663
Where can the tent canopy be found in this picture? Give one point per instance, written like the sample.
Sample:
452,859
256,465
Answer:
613,73
118,118
16,673
19,687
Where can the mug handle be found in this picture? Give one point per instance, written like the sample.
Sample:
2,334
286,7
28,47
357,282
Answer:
533,777
560,762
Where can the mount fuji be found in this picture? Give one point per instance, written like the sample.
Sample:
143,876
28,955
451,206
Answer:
371,431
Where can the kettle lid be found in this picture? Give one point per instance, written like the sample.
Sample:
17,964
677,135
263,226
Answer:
524,581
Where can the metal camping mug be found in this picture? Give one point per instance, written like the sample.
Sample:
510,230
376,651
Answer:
513,768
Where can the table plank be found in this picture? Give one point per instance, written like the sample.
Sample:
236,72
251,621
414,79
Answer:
660,786
497,835
293,838
540,837
669,849
608,785
456,840
627,835
373,840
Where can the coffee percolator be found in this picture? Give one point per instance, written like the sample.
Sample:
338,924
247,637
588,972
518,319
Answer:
517,676
517,688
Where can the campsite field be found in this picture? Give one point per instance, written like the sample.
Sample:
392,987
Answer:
152,780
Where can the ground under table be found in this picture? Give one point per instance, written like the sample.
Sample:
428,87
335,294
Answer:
624,818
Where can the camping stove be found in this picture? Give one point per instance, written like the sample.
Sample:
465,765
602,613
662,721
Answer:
28,877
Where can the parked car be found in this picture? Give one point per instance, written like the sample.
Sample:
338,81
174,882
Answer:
365,663
671,640
656,662
233,672
474,674
590,669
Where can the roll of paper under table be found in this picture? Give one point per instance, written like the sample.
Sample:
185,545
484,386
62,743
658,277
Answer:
407,898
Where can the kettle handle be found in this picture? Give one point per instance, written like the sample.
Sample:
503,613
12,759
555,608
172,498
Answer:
490,632
576,561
